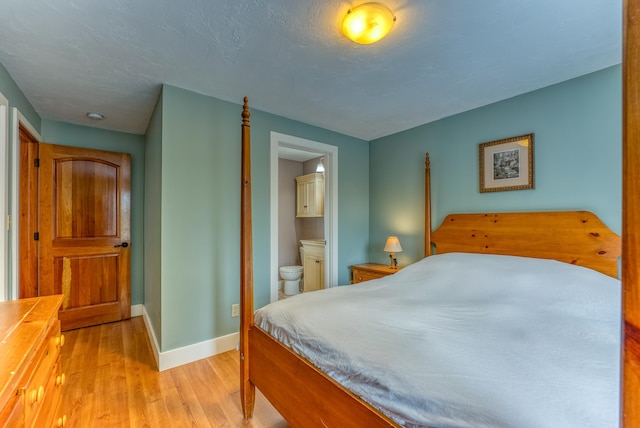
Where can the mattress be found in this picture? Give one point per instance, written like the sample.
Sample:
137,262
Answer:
467,340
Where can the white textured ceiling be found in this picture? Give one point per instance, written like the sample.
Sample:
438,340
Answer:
443,56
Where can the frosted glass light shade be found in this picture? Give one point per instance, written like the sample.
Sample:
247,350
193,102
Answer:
368,23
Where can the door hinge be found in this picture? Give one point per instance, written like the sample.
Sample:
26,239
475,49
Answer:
36,236
36,162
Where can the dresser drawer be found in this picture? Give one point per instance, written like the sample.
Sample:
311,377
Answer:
48,413
38,388
14,416
30,379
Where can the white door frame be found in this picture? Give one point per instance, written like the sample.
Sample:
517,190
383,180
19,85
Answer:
18,119
4,200
330,154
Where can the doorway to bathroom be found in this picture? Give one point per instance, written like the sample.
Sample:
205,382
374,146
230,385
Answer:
287,148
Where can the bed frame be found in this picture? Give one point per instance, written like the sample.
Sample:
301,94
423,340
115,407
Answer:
305,396
631,213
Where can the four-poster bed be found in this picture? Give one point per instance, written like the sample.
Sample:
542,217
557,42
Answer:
306,396
299,387
630,389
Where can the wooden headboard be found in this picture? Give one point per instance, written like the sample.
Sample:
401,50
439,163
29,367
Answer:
576,237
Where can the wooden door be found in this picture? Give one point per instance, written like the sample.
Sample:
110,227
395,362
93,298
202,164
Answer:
84,233
28,223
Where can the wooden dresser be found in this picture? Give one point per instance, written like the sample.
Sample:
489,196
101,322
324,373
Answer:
30,371
368,271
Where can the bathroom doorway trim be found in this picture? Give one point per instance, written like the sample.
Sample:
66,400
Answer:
330,154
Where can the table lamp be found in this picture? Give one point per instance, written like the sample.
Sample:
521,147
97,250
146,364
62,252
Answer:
393,246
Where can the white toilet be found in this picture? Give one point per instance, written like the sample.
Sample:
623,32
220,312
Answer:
291,276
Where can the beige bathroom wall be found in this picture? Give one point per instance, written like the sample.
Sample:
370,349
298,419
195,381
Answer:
291,229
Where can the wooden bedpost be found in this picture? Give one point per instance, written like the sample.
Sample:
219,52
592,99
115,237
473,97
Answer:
427,206
247,389
631,214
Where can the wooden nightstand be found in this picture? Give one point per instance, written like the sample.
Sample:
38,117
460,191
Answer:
367,271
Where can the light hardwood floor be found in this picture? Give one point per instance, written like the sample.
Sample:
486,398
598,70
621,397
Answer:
112,381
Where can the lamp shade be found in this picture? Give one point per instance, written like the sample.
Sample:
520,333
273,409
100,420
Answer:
368,23
393,245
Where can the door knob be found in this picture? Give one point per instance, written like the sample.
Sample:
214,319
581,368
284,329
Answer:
123,245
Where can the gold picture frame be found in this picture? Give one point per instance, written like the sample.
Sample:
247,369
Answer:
507,164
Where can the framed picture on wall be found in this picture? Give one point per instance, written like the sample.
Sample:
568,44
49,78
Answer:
507,164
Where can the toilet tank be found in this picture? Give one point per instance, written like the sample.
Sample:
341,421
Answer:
301,255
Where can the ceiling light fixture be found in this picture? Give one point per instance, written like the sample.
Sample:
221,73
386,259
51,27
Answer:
368,23
94,115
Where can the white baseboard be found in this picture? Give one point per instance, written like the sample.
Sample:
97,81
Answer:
197,351
152,336
190,353
136,310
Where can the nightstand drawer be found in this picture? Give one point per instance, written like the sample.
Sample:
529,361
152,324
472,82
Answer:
369,271
360,276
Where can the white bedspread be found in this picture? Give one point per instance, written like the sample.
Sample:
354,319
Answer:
463,340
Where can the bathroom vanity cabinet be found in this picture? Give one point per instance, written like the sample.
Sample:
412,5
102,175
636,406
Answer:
313,267
310,195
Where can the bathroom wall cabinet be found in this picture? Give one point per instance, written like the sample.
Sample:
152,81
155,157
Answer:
310,195
313,267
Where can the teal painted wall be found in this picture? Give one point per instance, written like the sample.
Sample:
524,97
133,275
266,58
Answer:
153,221
81,136
16,98
200,224
578,160
200,228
